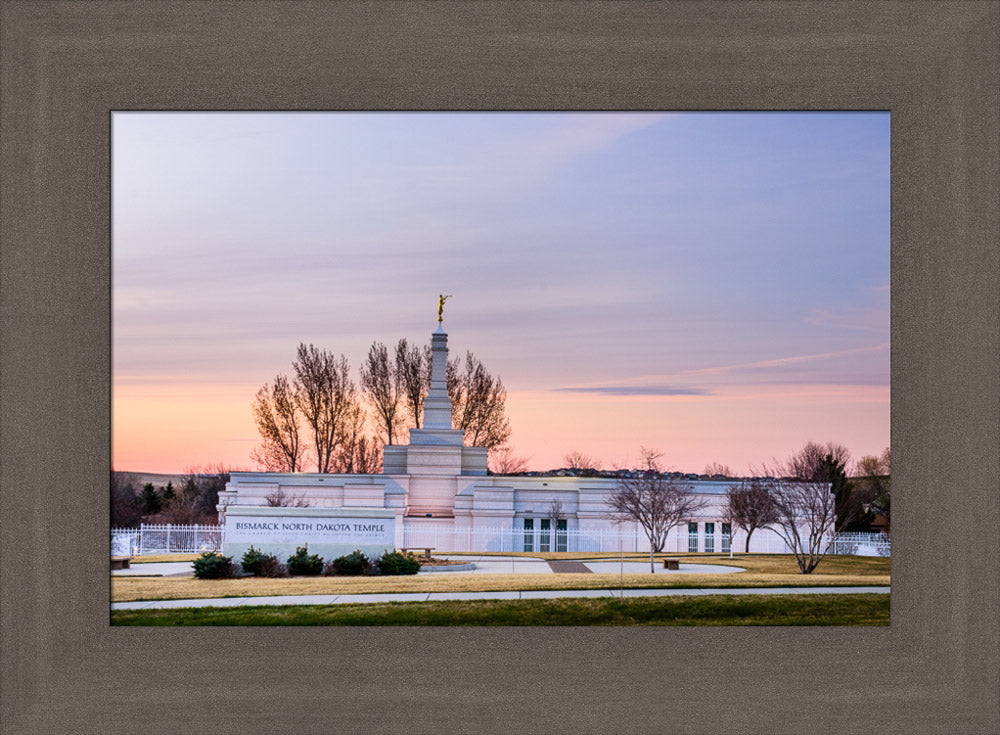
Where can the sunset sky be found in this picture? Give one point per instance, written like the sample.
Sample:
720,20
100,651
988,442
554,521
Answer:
712,285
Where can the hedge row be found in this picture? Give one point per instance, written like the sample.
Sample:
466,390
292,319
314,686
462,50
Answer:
212,565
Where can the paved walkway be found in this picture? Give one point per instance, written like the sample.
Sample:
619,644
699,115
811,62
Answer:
485,565
570,567
512,595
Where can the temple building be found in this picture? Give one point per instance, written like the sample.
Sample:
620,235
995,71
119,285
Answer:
443,497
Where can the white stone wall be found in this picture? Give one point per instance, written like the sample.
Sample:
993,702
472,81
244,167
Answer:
436,485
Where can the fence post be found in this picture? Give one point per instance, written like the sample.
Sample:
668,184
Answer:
142,526
195,536
168,538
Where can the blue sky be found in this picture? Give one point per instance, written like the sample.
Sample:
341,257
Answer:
611,256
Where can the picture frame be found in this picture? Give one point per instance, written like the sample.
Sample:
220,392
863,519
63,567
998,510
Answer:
66,66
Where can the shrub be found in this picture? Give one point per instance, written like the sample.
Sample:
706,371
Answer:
272,567
392,562
251,560
353,564
212,565
304,563
259,564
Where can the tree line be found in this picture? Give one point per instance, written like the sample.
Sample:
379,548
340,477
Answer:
803,499
319,417
194,500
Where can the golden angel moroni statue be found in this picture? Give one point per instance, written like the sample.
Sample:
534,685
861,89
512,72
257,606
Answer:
441,299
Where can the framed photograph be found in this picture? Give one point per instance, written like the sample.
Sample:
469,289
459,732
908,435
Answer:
68,67
683,296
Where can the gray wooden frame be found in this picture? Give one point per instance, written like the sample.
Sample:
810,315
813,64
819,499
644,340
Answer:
65,66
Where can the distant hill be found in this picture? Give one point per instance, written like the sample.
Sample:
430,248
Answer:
158,480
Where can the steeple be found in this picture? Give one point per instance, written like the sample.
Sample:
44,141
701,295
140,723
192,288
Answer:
435,453
437,405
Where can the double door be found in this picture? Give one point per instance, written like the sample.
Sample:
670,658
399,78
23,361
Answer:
538,535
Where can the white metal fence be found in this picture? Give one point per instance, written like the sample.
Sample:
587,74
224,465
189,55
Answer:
445,538
862,544
167,539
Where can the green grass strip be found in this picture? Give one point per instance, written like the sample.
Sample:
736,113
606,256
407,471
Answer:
812,609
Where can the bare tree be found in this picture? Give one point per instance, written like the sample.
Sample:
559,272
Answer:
579,461
555,513
277,414
186,505
655,501
280,499
806,511
351,434
126,508
714,468
326,395
381,381
358,453
812,460
368,456
209,480
749,506
414,368
478,403
827,463
503,461
872,480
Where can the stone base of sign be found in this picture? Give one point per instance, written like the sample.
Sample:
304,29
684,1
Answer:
329,532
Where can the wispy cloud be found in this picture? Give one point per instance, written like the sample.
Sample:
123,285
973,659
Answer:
861,319
841,367
636,390
783,361
515,164
576,135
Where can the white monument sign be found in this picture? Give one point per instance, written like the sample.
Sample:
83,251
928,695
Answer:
329,532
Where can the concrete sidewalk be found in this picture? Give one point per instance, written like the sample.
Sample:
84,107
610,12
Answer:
483,565
511,595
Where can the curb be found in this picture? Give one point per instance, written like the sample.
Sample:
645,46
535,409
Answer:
450,568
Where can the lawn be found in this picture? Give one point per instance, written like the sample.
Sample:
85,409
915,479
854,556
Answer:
764,563
765,570
814,609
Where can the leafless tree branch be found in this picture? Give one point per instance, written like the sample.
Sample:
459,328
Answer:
656,501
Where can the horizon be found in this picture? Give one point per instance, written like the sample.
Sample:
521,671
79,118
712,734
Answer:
713,285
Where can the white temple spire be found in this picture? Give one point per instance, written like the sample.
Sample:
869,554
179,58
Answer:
437,405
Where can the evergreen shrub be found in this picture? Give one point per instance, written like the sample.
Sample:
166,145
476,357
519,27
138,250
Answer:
353,564
393,563
259,564
212,565
303,563
251,560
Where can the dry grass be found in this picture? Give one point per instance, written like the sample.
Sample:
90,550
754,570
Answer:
765,563
164,588
149,558
763,570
